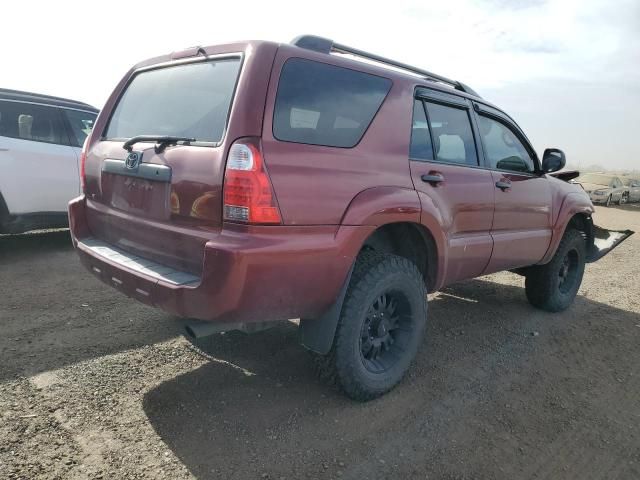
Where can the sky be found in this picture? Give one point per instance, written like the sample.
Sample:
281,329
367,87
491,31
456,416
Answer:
568,71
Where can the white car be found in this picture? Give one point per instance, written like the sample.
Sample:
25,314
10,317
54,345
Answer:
41,139
604,188
633,184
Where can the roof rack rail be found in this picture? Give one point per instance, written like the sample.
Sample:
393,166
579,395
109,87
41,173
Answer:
325,45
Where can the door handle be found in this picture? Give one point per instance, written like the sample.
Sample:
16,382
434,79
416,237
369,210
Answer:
503,184
2,149
433,178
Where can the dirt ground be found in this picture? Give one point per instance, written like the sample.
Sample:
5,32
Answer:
94,385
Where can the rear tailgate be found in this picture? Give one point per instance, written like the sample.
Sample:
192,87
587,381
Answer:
164,201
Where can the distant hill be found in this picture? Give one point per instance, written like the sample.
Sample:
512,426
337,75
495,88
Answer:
600,168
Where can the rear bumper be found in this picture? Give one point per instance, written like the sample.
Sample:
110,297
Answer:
248,273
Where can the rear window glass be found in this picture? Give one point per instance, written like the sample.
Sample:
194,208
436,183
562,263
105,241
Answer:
322,104
186,101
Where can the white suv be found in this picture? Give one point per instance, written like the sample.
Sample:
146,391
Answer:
41,139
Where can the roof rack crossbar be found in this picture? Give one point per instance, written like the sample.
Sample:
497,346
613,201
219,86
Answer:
325,45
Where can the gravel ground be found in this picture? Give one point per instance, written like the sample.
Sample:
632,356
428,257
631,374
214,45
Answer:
94,385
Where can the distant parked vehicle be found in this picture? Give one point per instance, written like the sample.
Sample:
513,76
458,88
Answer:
604,188
633,185
41,140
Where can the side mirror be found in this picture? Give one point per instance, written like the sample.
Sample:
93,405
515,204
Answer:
553,160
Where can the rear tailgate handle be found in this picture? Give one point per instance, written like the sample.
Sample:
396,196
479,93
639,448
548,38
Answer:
434,178
503,184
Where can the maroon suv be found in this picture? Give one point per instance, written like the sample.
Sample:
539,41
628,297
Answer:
252,182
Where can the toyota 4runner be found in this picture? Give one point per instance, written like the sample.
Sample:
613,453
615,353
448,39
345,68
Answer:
252,182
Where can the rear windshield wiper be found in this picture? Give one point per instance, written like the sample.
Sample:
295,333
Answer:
162,141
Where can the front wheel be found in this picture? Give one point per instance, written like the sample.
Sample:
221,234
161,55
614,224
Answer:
608,202
553,286
381,326
623,199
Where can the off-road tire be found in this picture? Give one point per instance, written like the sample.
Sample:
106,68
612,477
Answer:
376,275
623,199
608,202
545,285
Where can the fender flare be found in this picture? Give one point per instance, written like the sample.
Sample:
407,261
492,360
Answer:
371,208
572,204
378,206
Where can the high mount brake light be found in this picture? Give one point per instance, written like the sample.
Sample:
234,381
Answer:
248,193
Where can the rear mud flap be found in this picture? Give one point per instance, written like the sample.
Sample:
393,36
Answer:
604,241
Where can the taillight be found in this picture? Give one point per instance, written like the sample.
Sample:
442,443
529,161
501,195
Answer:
248,194
83,161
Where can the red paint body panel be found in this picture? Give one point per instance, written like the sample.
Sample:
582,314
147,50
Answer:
463,205
574,201
303,174
522,221
248,273
330,199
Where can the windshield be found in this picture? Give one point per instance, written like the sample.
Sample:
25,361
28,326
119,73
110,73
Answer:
595,179
627,181
190,100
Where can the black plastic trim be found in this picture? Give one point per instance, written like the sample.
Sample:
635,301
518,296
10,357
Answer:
34,221
317,334
442,97
147,171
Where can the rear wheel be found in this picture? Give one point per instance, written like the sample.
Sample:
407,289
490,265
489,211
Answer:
608,202
553,286
380,329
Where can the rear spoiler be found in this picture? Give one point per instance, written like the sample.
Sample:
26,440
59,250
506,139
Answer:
604,241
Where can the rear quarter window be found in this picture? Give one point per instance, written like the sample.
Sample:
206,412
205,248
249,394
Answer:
321,104
191,100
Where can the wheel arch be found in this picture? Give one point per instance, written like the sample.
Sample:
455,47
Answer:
575,212
410,240
393,215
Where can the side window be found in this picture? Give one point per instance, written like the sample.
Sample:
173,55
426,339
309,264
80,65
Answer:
452,135
321,104
421,148
81,124
27,121
502,148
